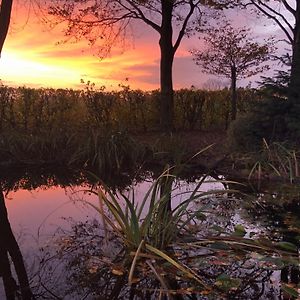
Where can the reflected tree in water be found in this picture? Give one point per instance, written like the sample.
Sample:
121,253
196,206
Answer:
10,251
92,268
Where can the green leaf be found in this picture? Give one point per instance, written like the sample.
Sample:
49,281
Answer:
227,283
239,230
290,291
187,271
223,277
217,228
200,216
287,246
220,246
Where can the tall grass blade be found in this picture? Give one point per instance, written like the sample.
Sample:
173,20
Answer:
134,261
190,273
160,279
102,214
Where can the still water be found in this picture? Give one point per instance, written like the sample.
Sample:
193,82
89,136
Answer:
61,242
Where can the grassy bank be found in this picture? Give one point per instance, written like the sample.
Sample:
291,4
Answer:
117,131
110,131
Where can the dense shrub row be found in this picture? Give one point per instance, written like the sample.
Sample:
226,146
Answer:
95,128
34,110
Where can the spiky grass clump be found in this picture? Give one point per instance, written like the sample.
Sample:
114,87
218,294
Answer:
151,227
108,153
48,148
273,160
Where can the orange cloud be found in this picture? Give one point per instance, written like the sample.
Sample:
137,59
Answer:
32,57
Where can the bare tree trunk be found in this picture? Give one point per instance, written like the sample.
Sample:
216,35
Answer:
166,64
233,94
294,86
5,12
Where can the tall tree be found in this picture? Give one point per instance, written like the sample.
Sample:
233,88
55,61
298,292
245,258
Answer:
109,21
5,13
231,52
286,14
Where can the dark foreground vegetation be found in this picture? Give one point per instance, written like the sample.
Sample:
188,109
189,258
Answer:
158,248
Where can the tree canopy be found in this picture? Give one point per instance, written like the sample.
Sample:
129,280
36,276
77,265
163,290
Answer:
231,52
229,47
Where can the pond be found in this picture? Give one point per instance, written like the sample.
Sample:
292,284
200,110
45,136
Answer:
67,253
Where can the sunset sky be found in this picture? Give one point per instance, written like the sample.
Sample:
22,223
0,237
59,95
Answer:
32,57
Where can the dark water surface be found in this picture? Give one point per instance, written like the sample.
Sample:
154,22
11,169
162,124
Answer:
61,241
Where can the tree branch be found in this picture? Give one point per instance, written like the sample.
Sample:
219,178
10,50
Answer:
289,8
141,15
269,15
276,13
184,25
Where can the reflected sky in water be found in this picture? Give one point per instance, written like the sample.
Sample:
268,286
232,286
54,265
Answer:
42,210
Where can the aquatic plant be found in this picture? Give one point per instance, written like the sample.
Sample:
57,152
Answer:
152,226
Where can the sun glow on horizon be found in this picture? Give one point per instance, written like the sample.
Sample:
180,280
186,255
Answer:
56,69
32,57
19,71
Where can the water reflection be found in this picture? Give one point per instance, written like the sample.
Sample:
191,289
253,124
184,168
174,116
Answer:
77,263
93,269
278,210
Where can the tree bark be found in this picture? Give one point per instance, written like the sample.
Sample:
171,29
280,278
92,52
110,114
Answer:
166,64
5,12
294,86
233,94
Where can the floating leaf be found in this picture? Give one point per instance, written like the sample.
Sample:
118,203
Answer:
252,233
287,246
135,280
227,283
93,269
117,271
205,292
220,246
256,255
217,228
200,216
223,277
218,262
239,230
290,291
